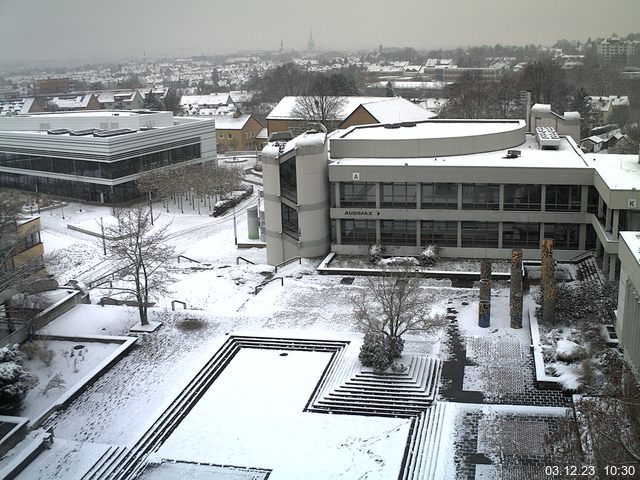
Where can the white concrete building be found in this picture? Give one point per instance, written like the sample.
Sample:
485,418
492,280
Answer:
628,313
475,188
98,155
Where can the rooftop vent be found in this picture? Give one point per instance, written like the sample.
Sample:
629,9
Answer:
58,131
86,131
513,153
547,138
113,133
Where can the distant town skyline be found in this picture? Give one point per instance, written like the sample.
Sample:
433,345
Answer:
33,31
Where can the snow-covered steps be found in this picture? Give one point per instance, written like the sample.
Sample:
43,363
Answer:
424,445
588,270
129,465
106,463
351,389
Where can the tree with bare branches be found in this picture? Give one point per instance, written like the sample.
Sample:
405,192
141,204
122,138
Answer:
390,306
144,254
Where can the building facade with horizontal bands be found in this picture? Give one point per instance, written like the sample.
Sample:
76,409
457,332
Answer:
477,189
98,155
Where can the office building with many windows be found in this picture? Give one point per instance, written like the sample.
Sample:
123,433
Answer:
477,189
98,155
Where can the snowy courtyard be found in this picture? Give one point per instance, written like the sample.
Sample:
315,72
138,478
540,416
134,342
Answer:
255,415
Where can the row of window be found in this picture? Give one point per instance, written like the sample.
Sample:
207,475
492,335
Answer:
111,170
475,196
67,188
445,233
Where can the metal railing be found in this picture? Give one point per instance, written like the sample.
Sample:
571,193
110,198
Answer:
258,287
287,262
242,258
187,258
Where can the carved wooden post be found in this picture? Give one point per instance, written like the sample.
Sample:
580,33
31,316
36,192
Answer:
515,300
548,282
484,308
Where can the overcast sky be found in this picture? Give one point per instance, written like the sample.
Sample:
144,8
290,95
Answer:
35,30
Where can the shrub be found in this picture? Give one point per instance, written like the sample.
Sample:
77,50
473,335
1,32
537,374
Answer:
429,256
54,382
376,252
375,352
15,381
37,350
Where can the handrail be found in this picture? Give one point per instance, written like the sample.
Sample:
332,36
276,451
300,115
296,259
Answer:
258,287
242,258
173,305
582,256
286,262
187,258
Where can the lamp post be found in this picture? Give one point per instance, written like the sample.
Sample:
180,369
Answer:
235,229
151,207
104,244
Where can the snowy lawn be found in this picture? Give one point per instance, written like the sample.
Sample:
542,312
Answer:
253,416
71,361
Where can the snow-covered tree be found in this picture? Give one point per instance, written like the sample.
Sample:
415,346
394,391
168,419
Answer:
392,305
15,380
144,254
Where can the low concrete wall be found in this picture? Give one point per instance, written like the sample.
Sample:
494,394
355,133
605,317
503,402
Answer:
542,379
15,436
88,380
47,316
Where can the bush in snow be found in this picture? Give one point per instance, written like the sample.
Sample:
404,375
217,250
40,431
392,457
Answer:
568,351
376,351
399,262
15,381
376,252
37,350
585,301
429,256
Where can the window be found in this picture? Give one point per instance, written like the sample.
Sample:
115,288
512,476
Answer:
398,232
480,234
358,232
358,194
30,240
563,198
221,136
289,220
288,179
440,195
564,235
480,196
592,200
229,136
332,195
443,234
522,197
398,195
520,235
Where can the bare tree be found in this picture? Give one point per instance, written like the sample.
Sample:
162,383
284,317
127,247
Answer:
392,305
144,254
605,429
319,102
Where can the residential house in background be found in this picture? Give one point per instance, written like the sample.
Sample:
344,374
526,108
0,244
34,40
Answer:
351,111
603,109
69,103
29,247
236,132
120,100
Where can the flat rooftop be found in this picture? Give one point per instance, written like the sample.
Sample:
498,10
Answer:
619,172
431,129
531,156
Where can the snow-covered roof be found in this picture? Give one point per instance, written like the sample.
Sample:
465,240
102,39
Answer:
110,96
263,135
213,100
229,122
71,101
16,106
384,109
396,109
619,172
531,156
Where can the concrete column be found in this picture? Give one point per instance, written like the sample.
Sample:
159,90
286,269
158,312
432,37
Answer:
612,266
607,223
543,198
501,198
515,299
459,196
582,236
548,282
615,223
337,194
605,261
600,206
584,198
